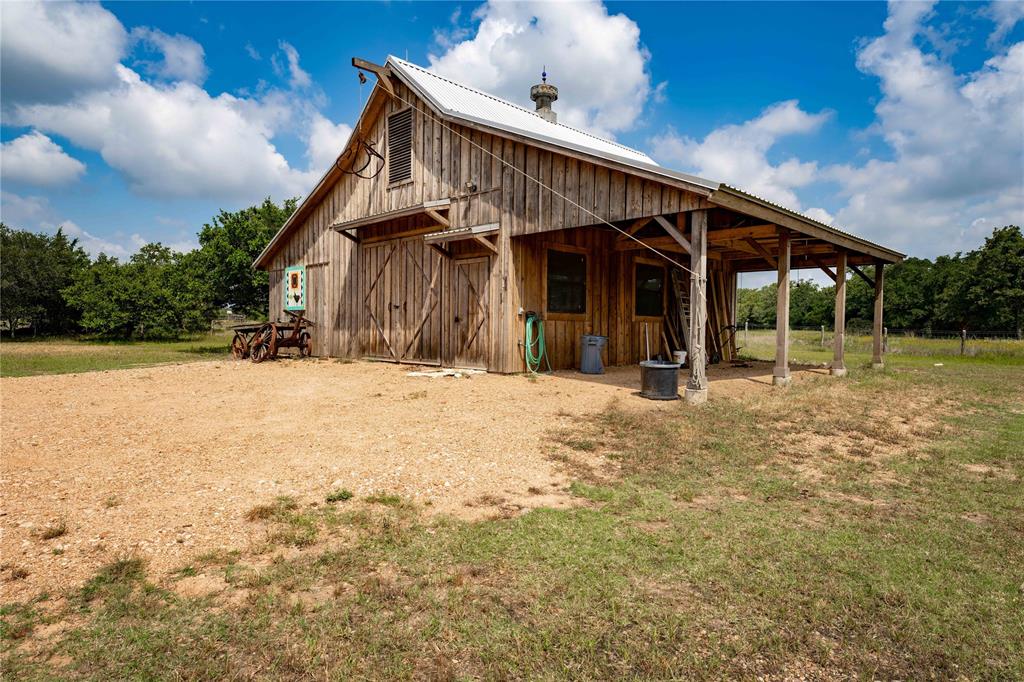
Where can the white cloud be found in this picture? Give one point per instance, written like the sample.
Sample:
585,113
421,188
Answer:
182,57
594,58
738,154
36,214
1005,14
297,77
92,244
35,159
325,141
50,51
957,144
23,212
177,140
157,126
252,52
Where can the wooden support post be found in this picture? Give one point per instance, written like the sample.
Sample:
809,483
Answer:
877,362
780,376
697,386
838,368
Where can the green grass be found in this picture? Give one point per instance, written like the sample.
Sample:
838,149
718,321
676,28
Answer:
805,346
869,527
340,495
62,356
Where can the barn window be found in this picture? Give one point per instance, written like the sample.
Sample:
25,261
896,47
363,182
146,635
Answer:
649,295
400,146
567,282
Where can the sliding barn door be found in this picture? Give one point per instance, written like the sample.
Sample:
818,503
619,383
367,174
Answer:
467,306
402,284
420,296
382,324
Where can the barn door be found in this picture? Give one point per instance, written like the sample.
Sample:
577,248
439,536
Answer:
420,296
380,274
468,338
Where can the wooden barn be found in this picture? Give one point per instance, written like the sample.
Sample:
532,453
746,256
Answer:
452,214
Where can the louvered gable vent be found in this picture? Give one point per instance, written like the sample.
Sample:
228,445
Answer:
400,146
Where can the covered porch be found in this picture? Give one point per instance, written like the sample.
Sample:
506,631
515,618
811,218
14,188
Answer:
691,259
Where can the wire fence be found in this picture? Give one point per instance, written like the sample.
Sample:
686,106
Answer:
982,343
970,334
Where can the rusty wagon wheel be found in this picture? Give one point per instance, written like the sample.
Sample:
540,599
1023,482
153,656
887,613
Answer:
239,347
261,340
305,345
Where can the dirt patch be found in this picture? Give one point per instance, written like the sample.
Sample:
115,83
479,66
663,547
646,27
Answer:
989,471
165,462
200,585
834,426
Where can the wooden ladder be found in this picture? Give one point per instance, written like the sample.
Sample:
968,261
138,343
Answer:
681,287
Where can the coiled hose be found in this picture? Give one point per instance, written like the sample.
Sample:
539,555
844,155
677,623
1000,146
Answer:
536,353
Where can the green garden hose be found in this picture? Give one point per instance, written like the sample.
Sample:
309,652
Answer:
536,353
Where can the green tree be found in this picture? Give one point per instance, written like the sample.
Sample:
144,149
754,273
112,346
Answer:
757,306
229,245
993,289
156,294
34,268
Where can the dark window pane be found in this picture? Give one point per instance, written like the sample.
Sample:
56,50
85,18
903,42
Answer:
567,282
650,285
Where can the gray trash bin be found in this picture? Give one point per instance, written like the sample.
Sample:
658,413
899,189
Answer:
590,358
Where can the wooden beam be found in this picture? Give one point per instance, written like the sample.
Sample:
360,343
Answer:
345,234
633,229
441,250
727,197
753,231
697,385
673,232
780,375
838,368
415,232
389,215
486,242
383,73
768,257
661,244
441,220
824,268
860,273
735,245
877,362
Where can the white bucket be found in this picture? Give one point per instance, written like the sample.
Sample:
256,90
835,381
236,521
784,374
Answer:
679,356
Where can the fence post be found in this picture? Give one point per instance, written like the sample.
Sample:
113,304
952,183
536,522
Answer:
885,339
963,340
746,331
822,336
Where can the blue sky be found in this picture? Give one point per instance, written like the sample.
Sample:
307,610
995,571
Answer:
902,123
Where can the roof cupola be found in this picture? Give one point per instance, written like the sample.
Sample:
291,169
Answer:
543,94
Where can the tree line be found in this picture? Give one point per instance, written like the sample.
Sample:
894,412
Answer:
982,290
49,285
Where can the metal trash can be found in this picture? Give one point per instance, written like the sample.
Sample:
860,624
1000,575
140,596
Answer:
659,380
590,357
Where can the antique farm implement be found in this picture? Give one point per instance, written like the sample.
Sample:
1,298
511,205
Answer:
262,341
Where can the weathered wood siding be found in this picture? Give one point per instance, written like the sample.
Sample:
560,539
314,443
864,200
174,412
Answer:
610,304
468,166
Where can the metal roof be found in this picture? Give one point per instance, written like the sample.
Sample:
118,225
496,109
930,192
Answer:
462,101
456,101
